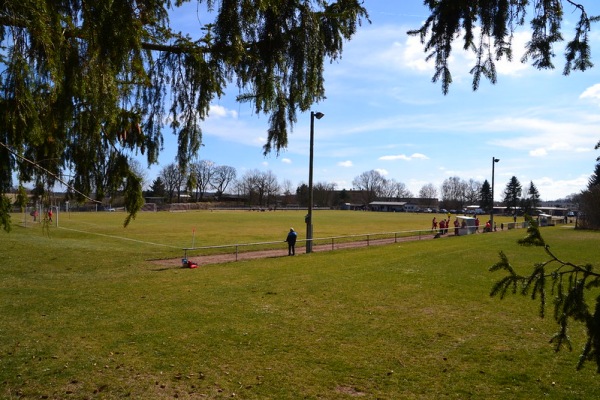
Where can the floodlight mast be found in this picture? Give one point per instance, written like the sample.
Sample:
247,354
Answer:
309,226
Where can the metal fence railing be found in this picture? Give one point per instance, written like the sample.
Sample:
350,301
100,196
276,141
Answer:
319,244
260,249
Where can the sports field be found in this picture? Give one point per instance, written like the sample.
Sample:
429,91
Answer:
85,314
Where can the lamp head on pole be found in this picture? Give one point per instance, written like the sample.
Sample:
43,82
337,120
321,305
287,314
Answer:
496,159
318,115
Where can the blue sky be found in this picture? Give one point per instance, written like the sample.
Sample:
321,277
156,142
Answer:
382,112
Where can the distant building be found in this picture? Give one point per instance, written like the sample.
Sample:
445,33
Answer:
352,206
387,206
404,204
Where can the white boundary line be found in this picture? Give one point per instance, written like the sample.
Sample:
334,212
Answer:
122,238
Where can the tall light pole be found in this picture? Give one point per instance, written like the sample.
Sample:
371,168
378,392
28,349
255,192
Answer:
309,226
494,161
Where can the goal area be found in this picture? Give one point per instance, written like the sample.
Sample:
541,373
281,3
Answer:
149,207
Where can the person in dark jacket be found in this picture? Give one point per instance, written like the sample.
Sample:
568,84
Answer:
291,241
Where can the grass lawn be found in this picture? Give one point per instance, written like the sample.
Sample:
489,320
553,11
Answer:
85,315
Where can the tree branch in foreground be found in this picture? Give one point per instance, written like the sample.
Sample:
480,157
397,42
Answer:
572,287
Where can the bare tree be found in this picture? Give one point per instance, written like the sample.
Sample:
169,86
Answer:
270,187
453,193
286,188
472,192
428,191
202,174
223,176
399,189
323,193
259,187
371,184
172,179
246,186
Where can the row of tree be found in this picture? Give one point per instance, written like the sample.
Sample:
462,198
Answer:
262,188
454,193
202,176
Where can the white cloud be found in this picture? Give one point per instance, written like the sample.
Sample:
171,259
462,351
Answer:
397,157
541,135
538,152
286,161
382,171
593,93
554,147
219,111
412,55
346,164
551,189
414,156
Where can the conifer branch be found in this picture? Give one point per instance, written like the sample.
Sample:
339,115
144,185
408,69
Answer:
569,285
47,172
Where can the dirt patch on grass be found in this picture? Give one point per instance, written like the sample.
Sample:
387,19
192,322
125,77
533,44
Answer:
350,391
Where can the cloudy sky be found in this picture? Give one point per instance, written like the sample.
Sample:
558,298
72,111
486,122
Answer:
382,112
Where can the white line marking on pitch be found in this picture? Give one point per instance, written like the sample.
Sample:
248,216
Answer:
120,237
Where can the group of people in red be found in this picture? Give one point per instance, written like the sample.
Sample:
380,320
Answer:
35,215
445,224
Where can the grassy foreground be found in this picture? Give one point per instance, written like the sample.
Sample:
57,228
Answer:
85,315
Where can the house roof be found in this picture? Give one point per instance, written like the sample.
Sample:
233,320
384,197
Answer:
387,203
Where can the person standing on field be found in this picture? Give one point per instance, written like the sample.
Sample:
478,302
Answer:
291,241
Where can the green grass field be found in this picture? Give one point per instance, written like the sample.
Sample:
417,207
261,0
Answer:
86,315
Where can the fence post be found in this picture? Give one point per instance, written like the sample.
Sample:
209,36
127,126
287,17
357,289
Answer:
332,241
236,252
